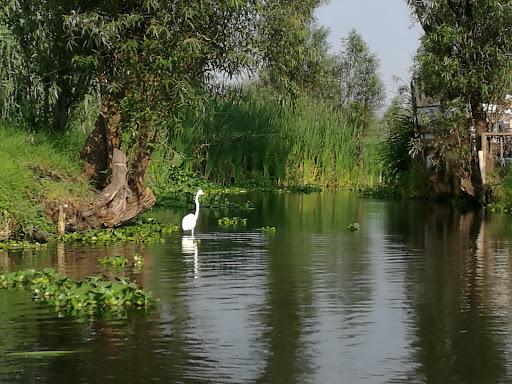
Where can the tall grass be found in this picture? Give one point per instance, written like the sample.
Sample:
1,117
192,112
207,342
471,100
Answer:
34,171
253,134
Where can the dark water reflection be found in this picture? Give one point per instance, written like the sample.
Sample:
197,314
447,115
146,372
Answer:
421,294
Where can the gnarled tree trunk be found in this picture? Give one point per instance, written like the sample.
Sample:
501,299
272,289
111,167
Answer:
123,196
115,204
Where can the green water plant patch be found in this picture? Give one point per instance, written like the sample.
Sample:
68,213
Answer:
20,244
353,227
267,229
147,231
119,261
94,297
232,221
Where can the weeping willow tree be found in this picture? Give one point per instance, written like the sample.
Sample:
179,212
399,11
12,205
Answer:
42,87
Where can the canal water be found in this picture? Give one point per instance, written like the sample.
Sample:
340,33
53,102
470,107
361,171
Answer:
422,293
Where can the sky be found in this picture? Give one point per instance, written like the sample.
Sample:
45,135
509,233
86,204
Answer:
386,27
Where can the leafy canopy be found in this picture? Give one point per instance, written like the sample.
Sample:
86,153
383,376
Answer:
465,51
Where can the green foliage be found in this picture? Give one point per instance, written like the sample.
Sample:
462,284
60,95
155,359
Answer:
34,170
353,227
133,232
232,221
360,83
462,54
41,88
253,134
396,151
94,297
500,190
294,51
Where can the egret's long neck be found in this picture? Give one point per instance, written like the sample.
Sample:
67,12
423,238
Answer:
197,207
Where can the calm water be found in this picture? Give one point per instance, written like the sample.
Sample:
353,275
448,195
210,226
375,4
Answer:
421,294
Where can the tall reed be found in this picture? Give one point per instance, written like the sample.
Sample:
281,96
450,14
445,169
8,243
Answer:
252,133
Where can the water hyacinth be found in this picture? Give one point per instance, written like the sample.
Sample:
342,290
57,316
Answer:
139,232
267,229
113,261
93,296
353,227
227,221
119,262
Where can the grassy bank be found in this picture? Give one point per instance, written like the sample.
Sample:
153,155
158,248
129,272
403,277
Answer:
38,172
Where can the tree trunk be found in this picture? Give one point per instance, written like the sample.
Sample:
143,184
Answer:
121,199
97,151
479,121
480,126
114,205
118,202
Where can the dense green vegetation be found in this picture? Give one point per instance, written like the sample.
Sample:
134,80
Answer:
37,172
464,64
250,135
140,78
94,297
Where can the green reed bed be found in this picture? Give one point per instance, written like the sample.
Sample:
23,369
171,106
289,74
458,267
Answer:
253,135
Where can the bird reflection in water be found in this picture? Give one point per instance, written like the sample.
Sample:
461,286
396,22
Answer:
189,248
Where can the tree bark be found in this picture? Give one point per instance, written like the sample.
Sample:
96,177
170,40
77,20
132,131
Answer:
479,121
114,205
123,197
97,152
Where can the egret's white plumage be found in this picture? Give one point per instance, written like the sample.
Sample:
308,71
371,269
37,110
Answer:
189,222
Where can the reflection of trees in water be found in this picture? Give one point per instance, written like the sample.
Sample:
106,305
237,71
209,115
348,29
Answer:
452,289
296,259
123,350
285,315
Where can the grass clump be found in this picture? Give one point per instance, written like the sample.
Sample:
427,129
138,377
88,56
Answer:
34,172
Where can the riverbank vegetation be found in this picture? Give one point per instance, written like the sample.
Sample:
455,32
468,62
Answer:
107,109
148,65
125,99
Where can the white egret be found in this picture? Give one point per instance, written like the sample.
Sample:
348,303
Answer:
189,222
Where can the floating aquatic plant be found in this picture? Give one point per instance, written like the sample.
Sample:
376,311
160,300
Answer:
138,261
120,261
141,232
267,229
227,221
353,227
93,296
20,244
113,261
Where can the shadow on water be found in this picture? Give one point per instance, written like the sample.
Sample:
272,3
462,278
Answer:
420,294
